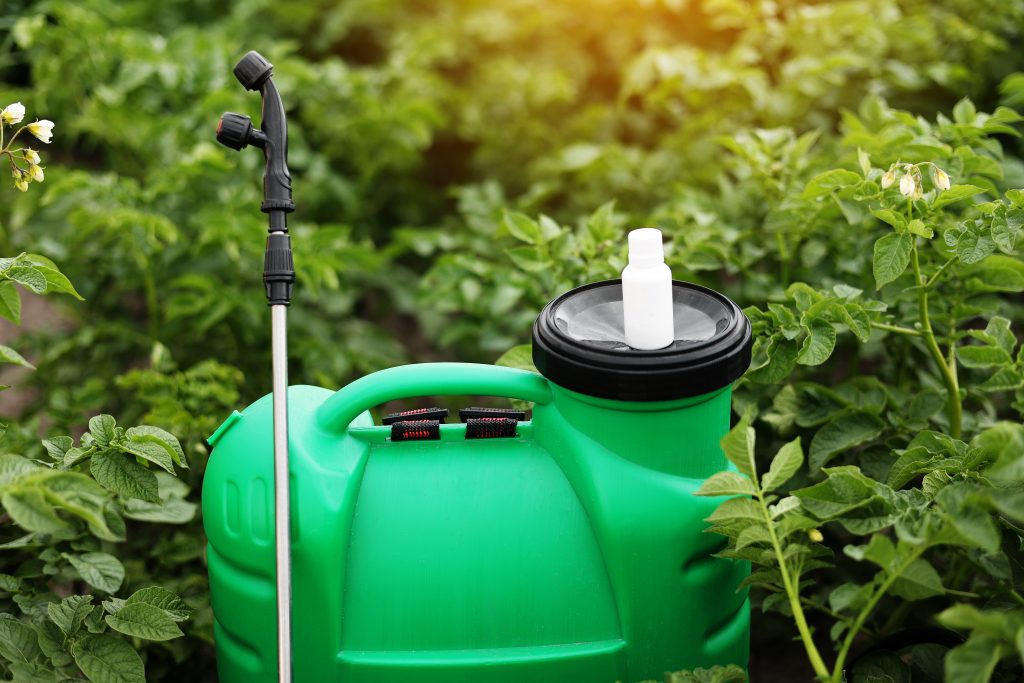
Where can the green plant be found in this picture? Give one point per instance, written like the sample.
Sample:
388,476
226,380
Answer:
73,503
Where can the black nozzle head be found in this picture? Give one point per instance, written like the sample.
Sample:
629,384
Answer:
234,131
252,70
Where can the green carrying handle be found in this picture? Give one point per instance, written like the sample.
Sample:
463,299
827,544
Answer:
429,379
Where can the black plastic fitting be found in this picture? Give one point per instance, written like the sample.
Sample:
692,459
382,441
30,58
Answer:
278,269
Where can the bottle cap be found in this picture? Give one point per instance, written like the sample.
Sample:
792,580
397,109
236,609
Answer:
645,246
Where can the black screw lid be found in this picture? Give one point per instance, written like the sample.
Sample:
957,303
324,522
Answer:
579,344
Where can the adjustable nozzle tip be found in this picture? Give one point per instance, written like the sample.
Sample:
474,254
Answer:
252,70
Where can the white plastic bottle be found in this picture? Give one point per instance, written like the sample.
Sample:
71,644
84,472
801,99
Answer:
647,292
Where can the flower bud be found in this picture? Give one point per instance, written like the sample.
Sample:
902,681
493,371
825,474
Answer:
21,184
13,113
815,536
940,179
907,185
36,173
889,178
31,156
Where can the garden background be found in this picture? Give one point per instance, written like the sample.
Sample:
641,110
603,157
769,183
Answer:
456,165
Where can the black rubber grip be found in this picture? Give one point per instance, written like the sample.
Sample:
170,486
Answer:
466,414
416,430
438,414
491,428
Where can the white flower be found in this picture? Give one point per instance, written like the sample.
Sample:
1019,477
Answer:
940,179
13,113
36,173
42,130
889,178
907,185
31,156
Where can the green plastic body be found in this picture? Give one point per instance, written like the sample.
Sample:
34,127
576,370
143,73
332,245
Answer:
573,552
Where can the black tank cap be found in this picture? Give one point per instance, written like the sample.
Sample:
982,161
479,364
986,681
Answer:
579,343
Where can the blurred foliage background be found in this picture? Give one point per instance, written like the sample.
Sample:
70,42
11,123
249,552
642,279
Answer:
415,128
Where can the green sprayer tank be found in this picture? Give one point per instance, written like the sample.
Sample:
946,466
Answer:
569,547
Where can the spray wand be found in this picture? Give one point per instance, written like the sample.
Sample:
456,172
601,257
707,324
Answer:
237,132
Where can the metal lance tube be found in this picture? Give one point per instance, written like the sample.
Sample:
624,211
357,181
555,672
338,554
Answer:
282,494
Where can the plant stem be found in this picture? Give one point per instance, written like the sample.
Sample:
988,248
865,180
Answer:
891,576
896,329
793,593
935,275
949,377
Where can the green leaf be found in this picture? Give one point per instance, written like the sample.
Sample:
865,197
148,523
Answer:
855,317
1006,230
738,446
57,447
893,218
917,582
56,281
120,474
891,257
955,194
69,613
736,509
163,599
522,227
974,246
726,484
148,450
102,428
825,183
974,661
155,435
144,621
9,355
716,674
30,510
844,491
18,641
171,511
819,343
29,277
528,259
975,356
99,570
784,465
998,273
10,302
917,227
106,658
842,432
519,357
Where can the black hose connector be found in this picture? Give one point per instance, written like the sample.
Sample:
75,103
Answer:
278,269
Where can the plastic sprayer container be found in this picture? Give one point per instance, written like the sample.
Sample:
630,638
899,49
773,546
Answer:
568,548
